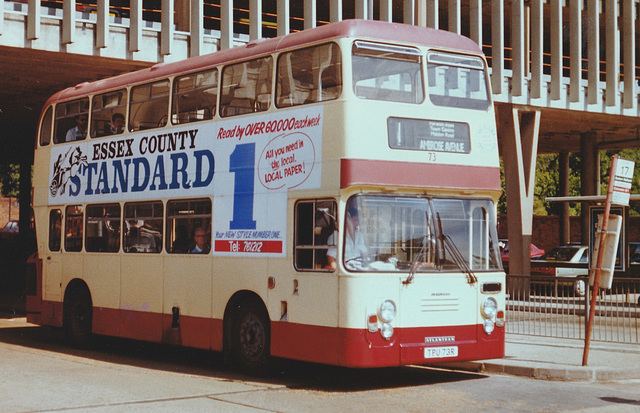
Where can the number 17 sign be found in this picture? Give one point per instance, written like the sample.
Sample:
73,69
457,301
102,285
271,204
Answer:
622,178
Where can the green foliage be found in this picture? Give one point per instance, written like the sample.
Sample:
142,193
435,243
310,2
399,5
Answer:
548,177
546,184
9,179
502,202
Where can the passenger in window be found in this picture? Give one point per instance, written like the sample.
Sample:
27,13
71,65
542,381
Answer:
182,244
332,252
117,123
326,234
201,238
79,131
140,239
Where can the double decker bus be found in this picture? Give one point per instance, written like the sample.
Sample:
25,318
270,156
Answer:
326,196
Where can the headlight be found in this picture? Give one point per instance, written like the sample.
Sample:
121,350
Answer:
386,330
489,308
488,325
387,311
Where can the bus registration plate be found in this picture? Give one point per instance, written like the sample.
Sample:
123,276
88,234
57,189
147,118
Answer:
440,352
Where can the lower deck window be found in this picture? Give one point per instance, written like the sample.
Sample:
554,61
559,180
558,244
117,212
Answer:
103,228
315,226
73,228
189,226
143,222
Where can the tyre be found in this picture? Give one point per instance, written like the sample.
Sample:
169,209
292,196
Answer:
77,318
250,338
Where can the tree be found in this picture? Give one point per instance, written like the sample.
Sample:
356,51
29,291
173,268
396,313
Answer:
548,177
9,179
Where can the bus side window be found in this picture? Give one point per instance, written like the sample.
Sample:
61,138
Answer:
246,87
45,127
187,220
194,97
71,120
55,229
149,106
73,228
309,75
143,222
315,234
108,113
103,228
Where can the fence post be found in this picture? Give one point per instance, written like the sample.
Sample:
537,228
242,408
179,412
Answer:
587,294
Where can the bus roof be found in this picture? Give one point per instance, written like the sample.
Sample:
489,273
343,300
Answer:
364,29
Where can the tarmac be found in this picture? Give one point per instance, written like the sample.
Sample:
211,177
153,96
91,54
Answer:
543,358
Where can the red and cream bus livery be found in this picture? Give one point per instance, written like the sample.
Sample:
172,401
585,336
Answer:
326,196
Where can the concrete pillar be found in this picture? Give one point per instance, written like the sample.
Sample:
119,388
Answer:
589,178
563,190
518,132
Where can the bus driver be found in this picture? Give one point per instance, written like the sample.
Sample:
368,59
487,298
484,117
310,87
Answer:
354,245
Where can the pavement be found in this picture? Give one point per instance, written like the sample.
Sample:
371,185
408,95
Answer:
543,358
549,358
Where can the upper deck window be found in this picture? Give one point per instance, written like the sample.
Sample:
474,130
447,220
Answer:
387,72
246,87
108,113
71,120
309,75
457,81
149,106
45,127
195,97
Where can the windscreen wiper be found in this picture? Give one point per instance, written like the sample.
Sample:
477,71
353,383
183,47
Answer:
415,263
456,255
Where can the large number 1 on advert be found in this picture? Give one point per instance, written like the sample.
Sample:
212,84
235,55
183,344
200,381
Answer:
242,163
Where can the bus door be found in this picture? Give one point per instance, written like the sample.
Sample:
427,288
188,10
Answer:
102,264
52,268
189,275
142,269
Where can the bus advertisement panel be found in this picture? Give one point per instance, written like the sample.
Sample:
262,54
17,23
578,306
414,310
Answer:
242,162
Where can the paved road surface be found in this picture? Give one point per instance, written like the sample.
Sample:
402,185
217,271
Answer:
41,374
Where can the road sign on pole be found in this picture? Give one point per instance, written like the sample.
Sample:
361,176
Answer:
620,179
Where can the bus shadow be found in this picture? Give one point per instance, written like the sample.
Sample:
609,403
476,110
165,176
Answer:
288,373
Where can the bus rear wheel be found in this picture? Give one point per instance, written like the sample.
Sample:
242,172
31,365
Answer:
250,338
78,314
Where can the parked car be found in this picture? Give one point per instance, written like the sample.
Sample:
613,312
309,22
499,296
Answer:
565,255
10,230
534,252
634,253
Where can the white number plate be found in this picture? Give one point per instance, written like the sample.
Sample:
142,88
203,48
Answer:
440,352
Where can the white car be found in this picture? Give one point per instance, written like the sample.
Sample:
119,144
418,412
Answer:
566,255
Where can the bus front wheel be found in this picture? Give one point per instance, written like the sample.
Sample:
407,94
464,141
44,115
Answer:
250,338
78,313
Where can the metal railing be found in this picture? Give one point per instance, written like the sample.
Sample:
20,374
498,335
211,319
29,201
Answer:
559,307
